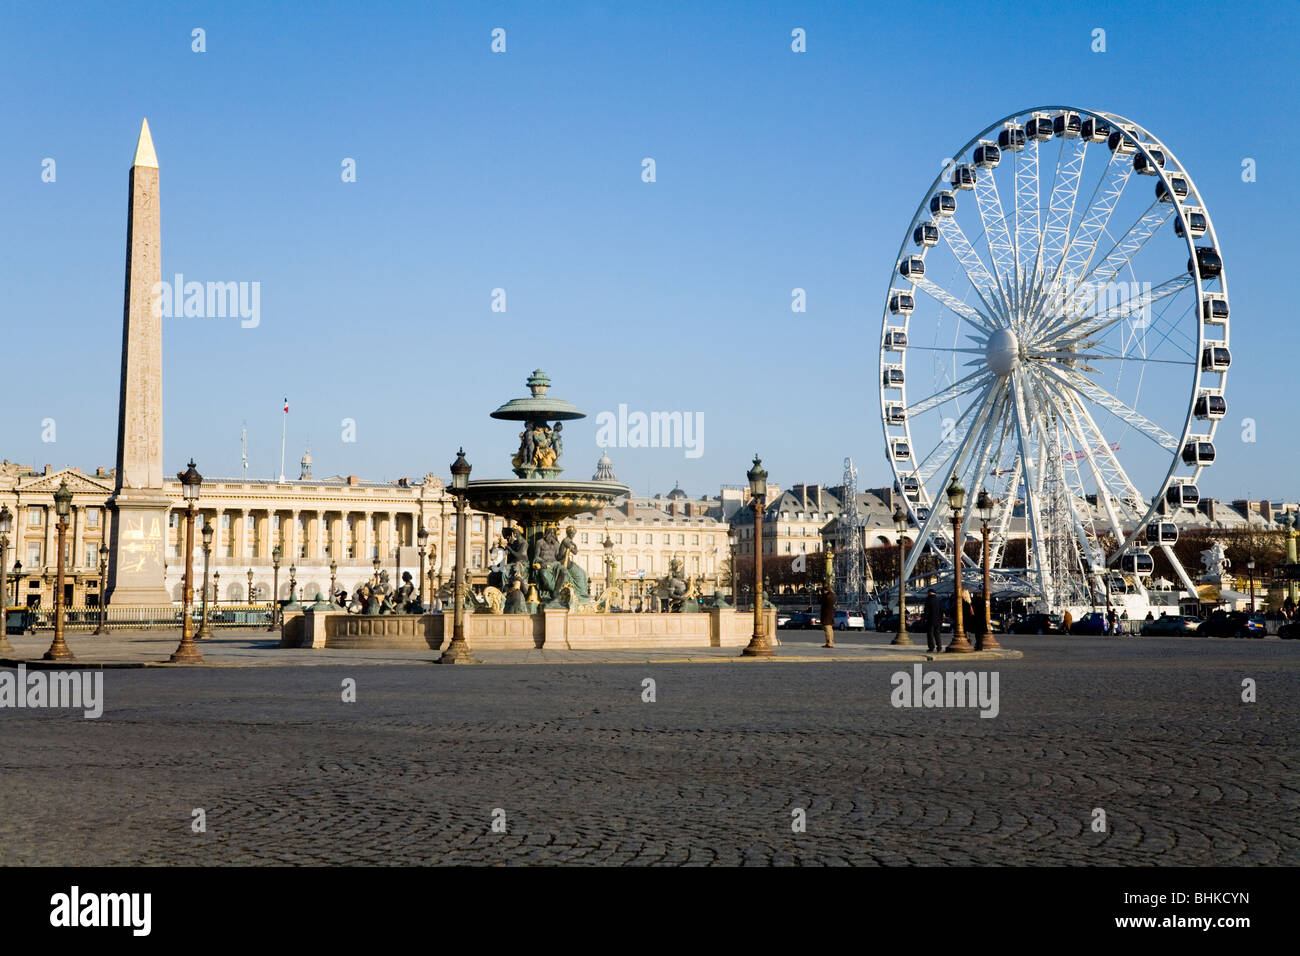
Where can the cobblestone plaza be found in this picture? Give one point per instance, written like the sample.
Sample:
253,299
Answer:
582,769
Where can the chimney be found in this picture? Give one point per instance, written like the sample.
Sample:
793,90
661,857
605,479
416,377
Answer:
629,507
1266,511
50,468
353,481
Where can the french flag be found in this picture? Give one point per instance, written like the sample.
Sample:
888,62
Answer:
286,406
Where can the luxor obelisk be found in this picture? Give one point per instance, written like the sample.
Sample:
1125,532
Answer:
135,569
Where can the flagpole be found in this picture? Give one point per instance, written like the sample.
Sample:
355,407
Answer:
284,422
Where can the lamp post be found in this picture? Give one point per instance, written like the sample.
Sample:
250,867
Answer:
216,590
18,580
457,651
900,525
985,641
293,584
1250,568
204,630
275,587
422,538
103,604
608,545
760,645
6,523
62,508
956,500
374,578
250,587
1291,588
734,540
186,653
334,573
433,591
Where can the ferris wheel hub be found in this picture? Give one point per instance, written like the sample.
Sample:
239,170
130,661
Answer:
1002,352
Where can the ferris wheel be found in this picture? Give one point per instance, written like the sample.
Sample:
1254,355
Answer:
1056,333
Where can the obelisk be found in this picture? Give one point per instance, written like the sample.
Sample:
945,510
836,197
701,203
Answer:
139,505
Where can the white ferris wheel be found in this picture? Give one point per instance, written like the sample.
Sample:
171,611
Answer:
1056,333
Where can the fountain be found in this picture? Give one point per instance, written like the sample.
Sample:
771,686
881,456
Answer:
539,561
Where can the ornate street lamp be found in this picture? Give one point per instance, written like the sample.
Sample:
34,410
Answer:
205,631
985,641
422,539
59,650
334,573
734,540
608,545
956,501
216,590
457,651
103,604
6,523
275,587
760,645
293,584
191,482
250,587
18,579
900,525
1250,567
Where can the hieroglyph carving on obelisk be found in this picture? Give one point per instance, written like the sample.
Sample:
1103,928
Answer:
136,562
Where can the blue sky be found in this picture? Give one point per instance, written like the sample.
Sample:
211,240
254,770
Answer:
522,171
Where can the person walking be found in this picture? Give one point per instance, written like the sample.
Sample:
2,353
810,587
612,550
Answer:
1067,622
933,621
828,616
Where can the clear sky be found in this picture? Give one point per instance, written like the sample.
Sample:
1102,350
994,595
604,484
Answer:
522,171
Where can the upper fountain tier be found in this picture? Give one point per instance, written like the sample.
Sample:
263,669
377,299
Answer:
538,407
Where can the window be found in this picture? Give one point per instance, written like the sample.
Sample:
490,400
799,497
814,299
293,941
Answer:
668,539
681,539
91,555
497,526
478,525
695,539
33,517
584,537
708,539
92,517
171,519
634,539
478,559
33,555
618,539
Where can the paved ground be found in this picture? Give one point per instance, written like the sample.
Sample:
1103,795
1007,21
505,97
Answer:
1152,731
258,648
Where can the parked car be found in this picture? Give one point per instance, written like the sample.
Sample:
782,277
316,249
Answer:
1233,624
1037,624
1168,624
783,620
889,623
849,621
1094,622
801,621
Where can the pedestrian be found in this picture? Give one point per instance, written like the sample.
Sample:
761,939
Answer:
933,620
1066,622
1112,623
1150,617
828,616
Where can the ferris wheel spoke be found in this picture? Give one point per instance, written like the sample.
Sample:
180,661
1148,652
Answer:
1121,254
943,296
1060,214
953,437
1001,250
1033,488
985,285
958,388
1125,491
1093,225
1100,396
1095,324
1064,356
979,462
927,528
1027,220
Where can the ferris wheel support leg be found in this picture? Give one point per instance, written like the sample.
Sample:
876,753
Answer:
1179,570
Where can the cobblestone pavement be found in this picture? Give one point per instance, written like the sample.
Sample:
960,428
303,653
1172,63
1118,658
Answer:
1152,731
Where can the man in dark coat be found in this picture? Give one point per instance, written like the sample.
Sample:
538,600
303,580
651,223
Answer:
828,616
933,621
